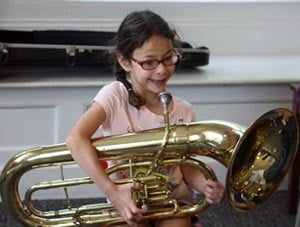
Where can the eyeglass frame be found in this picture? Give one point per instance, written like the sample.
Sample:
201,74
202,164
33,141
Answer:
158,61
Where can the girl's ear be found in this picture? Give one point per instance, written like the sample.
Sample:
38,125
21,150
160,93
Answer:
123,62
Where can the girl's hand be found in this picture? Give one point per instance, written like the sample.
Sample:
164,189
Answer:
121,198
213,191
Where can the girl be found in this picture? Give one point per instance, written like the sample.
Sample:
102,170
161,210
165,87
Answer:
145,52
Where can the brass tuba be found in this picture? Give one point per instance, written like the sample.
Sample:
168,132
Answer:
257,159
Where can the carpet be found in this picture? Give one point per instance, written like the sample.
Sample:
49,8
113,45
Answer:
272,213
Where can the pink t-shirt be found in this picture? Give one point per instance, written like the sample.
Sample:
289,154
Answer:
122,117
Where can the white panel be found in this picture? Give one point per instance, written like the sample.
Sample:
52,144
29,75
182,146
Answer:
240,113
24,127
252,93
21,126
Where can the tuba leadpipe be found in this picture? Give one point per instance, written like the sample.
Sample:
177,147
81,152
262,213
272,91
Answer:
257,159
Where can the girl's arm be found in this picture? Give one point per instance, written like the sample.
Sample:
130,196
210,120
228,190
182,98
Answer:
84,153
213,190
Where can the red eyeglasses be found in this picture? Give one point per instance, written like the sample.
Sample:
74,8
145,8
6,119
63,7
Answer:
153,63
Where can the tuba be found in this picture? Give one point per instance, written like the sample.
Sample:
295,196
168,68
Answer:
257,159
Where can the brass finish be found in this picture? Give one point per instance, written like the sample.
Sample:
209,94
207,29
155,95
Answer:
257,160
262,159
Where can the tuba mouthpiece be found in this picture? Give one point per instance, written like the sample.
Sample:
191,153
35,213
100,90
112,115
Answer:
165,98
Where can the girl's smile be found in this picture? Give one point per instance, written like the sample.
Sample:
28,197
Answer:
159,83
154,80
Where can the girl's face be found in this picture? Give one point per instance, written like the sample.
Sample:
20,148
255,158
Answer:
151,82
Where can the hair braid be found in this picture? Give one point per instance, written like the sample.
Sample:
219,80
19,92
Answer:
133,98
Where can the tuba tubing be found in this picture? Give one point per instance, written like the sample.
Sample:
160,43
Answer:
185,140
257,160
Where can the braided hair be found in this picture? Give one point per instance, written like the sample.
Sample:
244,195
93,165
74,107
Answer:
136,28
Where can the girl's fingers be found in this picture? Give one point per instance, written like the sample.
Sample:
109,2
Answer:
214,192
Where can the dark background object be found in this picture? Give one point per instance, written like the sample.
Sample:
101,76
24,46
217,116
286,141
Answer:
34,54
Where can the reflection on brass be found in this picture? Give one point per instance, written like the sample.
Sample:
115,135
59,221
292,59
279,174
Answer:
262,158
257,160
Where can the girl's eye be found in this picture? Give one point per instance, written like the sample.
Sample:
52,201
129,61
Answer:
149,63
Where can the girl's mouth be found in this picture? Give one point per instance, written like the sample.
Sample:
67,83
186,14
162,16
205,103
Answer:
158,83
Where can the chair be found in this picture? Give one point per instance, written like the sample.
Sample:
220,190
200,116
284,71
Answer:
293,184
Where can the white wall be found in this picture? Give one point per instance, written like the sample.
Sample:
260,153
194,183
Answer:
226,27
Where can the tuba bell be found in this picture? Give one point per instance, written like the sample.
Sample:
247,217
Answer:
257,159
